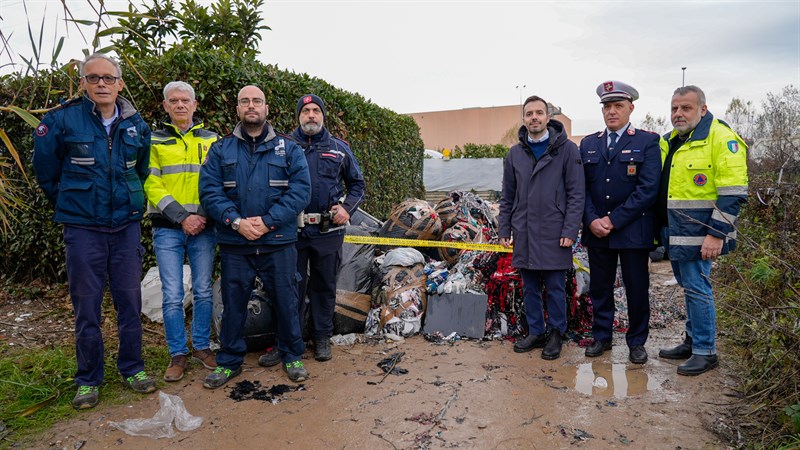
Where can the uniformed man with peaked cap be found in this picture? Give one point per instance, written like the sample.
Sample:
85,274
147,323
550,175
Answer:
622,166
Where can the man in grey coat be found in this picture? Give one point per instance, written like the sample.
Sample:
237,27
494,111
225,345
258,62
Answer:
541,205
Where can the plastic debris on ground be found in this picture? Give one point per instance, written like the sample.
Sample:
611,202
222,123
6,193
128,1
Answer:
252,390
505,314
412,219
437,338
344,339
401,300
389,365
160,425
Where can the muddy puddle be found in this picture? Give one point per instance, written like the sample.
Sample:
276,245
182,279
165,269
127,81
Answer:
604,379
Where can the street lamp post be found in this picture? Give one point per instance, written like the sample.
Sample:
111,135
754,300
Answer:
683,80
520,88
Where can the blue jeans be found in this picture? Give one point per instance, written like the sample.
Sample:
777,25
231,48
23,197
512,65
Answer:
277,269
94,257
170,245
701,315
555,282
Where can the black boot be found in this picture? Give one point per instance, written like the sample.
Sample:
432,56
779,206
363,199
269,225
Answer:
596,348
682,351
698,364
530,342
322,349
552,350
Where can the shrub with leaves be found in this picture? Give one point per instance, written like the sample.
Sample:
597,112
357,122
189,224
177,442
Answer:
758,295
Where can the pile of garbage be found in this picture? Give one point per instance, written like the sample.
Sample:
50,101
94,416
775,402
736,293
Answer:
385,291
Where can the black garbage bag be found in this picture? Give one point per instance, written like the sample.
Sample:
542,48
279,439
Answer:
259,328
355,268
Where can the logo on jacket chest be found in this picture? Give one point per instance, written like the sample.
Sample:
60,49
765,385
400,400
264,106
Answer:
332,154
700,179
280,149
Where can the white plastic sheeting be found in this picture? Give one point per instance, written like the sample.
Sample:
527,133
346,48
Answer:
152,297
480,174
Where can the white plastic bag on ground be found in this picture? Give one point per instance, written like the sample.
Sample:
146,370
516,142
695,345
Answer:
152,297
160,425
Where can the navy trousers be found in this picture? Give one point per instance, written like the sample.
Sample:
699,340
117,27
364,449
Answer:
277,271
318,264
92,258
555,282
635,277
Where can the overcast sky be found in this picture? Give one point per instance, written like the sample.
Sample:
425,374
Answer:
430,56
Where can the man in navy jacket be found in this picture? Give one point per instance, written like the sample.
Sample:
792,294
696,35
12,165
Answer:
91,156
622,167
253,184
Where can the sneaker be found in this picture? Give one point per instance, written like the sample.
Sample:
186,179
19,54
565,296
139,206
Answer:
87,397
220,376
140,383
206,358
175,369
296,371
322,350
270,358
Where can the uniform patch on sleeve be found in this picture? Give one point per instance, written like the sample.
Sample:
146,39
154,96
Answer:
700,179
41,130
733,146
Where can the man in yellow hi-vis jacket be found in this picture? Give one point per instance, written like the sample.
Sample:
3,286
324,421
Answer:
180,225
703,186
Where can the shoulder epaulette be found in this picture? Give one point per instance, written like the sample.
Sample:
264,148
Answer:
725,123
648,131
203,133
340,140
66,103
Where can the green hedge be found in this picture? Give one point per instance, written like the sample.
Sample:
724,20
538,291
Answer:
386,144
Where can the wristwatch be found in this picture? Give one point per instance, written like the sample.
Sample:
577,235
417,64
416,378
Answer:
235,224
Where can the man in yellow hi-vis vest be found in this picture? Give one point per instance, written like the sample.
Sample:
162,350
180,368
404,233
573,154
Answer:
180,226
703,186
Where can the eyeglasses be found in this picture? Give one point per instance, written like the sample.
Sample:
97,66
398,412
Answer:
254,101
94,79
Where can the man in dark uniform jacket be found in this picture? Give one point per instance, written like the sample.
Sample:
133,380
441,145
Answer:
337,189
622,167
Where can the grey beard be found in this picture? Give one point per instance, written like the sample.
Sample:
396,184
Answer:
311,128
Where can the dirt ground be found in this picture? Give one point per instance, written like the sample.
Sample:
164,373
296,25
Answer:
469,394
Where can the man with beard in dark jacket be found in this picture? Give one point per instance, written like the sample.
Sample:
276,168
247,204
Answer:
337,188
541,205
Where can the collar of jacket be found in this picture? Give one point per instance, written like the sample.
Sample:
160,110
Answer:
322,138
124,107
270,135
169,126
554,127
700,132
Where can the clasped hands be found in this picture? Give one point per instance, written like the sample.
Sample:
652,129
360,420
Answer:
601,227
252,228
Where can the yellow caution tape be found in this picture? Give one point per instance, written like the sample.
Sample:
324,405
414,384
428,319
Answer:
396,242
